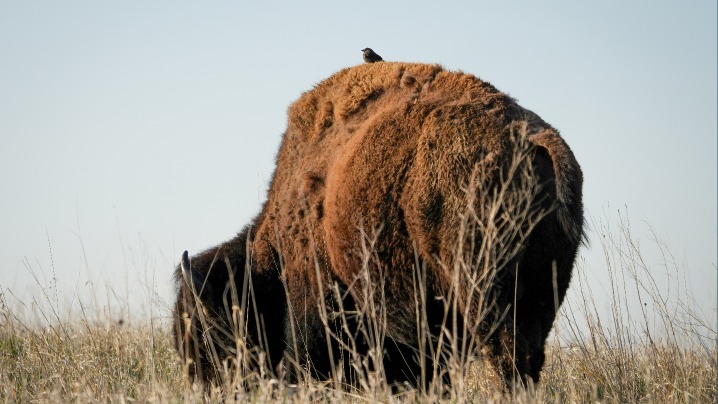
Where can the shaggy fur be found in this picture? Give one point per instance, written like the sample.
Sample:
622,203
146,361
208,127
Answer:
385,152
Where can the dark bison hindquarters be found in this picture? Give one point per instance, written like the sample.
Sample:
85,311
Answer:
389,173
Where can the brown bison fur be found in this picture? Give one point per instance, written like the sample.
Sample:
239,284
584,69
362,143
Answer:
389,175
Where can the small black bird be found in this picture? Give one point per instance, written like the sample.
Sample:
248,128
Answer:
370,56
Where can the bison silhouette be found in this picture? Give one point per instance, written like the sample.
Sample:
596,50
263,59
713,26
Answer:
417,219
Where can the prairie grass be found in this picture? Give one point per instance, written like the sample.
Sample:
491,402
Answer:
652,344
647,348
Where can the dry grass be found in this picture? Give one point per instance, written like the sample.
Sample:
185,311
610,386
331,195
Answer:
653,345
86,362
82,361
666,353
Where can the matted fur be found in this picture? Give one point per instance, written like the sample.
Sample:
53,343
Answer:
386,151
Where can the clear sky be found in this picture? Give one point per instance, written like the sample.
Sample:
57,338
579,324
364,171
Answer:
131,131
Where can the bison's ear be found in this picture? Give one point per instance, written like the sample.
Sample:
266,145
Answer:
192,278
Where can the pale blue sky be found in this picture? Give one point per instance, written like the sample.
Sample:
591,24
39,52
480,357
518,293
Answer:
140,129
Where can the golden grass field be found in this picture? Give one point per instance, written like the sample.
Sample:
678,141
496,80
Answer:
665,353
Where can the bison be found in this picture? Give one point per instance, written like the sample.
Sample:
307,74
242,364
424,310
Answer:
415,216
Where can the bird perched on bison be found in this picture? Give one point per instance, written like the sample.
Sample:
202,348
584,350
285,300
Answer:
416,218
370,56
